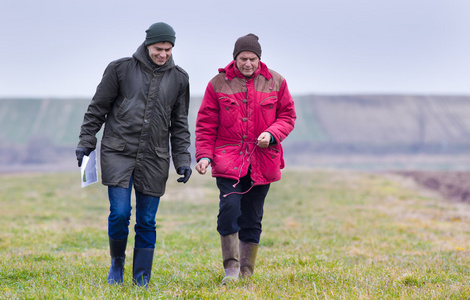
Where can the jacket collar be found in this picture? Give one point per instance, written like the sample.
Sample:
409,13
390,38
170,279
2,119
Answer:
231,71
143,57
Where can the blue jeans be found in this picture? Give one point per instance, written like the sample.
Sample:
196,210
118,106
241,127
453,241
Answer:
120,214
242,212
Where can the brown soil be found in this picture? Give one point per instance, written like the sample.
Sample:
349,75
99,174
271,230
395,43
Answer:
453,185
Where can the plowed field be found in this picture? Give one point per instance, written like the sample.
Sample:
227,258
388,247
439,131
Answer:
452,185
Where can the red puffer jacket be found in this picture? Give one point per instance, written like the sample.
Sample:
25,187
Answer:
234,112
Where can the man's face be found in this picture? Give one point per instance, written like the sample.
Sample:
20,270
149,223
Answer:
160,52
247,63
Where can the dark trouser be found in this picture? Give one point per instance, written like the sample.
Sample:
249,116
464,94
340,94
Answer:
242,212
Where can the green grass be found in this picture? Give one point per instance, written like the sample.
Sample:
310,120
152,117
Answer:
326,235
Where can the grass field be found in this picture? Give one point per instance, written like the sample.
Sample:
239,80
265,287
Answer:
326,235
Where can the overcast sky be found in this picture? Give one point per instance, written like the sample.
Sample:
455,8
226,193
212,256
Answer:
60,48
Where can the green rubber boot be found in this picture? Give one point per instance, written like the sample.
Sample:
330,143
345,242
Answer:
248,253
230,254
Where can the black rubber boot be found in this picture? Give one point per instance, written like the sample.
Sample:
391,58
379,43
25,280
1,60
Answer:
142,266
118,257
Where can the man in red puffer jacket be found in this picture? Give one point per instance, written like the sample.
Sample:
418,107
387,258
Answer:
246,112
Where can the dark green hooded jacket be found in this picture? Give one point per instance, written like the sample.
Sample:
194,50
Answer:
145,109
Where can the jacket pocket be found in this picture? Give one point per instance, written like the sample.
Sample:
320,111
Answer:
162,152
113,143
271,161
268,109
229,110
162,162
123,108
227,159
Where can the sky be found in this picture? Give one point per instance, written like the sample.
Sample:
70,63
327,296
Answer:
57,48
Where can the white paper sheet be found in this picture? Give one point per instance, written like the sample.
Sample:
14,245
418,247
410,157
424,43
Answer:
88,170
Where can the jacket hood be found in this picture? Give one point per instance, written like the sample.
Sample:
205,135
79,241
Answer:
231,71
141,54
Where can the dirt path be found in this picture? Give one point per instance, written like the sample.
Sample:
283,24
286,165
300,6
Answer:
453,185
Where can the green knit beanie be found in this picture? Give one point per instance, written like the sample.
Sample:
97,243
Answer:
160,32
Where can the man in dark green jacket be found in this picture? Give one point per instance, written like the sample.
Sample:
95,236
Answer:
143,101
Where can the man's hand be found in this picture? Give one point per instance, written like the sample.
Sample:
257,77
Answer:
80,152
186,172
264,139
201,166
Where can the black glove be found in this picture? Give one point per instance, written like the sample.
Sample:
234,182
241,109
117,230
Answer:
186,172
80,152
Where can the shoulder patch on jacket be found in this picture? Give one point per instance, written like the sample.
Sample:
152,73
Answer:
276,75
182,70
121,60
218,79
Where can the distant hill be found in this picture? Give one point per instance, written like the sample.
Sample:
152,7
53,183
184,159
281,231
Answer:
384,124
32,129
22,120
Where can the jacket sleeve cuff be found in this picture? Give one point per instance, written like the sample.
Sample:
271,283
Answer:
206,158
87,141
272,141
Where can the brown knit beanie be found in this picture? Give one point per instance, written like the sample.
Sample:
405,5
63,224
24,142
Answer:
248,42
